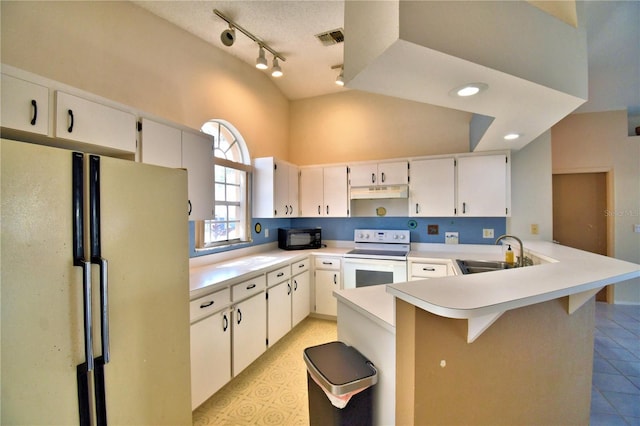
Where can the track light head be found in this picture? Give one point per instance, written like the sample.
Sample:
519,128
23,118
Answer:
340,78
276,71
261,62
228,36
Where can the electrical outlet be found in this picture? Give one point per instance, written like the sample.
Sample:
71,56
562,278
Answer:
636,228
266,233
451,238
487,233
534,229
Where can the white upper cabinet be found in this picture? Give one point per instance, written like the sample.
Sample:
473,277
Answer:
432,189
197,158
484,186
167,146
85,121
392,173
25,105
161,144
275,188
324,192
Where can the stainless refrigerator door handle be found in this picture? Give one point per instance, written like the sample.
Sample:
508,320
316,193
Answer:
88,315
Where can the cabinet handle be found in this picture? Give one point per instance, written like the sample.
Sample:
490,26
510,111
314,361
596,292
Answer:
319,211
206,304
279,275
225,322
383,178
429,269
327,208
288,289
70,129
327,263
373,178
34,104
464,208
417,208
250,286
190,207
291,208
335,278
295,285
286,210
239,316
301,265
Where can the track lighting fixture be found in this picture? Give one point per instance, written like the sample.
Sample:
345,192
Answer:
228,37
276,71
261,61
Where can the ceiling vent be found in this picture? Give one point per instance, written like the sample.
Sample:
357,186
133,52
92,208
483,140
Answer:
331,37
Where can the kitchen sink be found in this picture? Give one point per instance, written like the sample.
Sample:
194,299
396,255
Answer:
477,266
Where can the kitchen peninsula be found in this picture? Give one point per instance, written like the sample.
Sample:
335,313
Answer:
504,347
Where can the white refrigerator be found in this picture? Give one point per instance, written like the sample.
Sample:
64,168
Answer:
94,290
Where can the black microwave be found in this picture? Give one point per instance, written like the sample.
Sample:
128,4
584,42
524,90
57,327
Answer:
299,238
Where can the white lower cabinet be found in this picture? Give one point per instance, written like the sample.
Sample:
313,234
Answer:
327,279
301,292
210,356
249,337
278,304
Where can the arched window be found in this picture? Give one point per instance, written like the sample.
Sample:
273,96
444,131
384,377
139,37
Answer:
232,171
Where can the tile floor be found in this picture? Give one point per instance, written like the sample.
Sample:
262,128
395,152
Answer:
615,397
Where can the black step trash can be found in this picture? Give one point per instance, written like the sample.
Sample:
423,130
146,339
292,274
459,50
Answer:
339,381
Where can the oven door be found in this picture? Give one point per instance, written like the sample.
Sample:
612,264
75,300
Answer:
360,272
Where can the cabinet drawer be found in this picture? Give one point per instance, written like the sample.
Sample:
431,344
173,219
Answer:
279,275
323,262
428,270
300,266
248,288
209,304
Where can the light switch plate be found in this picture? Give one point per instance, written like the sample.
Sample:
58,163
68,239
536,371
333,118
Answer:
636,227
451,238
487,233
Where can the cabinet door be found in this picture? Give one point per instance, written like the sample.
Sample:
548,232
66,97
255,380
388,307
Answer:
249,331
301,303
311,192
293,190
89,122
432,189
326,283
278,311
197,152
210,356
395,173
25,105
161,144
281,189
363,174
482,186
336,199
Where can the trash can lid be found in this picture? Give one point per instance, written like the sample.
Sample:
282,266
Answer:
339,368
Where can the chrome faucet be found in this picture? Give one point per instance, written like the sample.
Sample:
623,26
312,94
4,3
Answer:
521,257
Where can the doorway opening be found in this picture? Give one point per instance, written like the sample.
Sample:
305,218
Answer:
580,220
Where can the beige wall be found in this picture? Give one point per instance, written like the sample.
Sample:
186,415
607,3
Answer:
355,125
599,142
119,51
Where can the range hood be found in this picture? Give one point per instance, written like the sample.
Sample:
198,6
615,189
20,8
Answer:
379,192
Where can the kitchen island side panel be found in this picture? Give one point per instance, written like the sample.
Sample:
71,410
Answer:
532,366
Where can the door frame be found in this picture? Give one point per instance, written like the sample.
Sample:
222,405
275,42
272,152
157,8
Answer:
610,218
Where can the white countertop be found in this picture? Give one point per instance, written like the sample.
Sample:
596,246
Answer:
373,302
204,279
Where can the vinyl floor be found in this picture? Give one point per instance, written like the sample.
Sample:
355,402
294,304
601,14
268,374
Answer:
273,390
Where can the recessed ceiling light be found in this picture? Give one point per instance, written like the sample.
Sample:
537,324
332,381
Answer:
511,136
469,89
